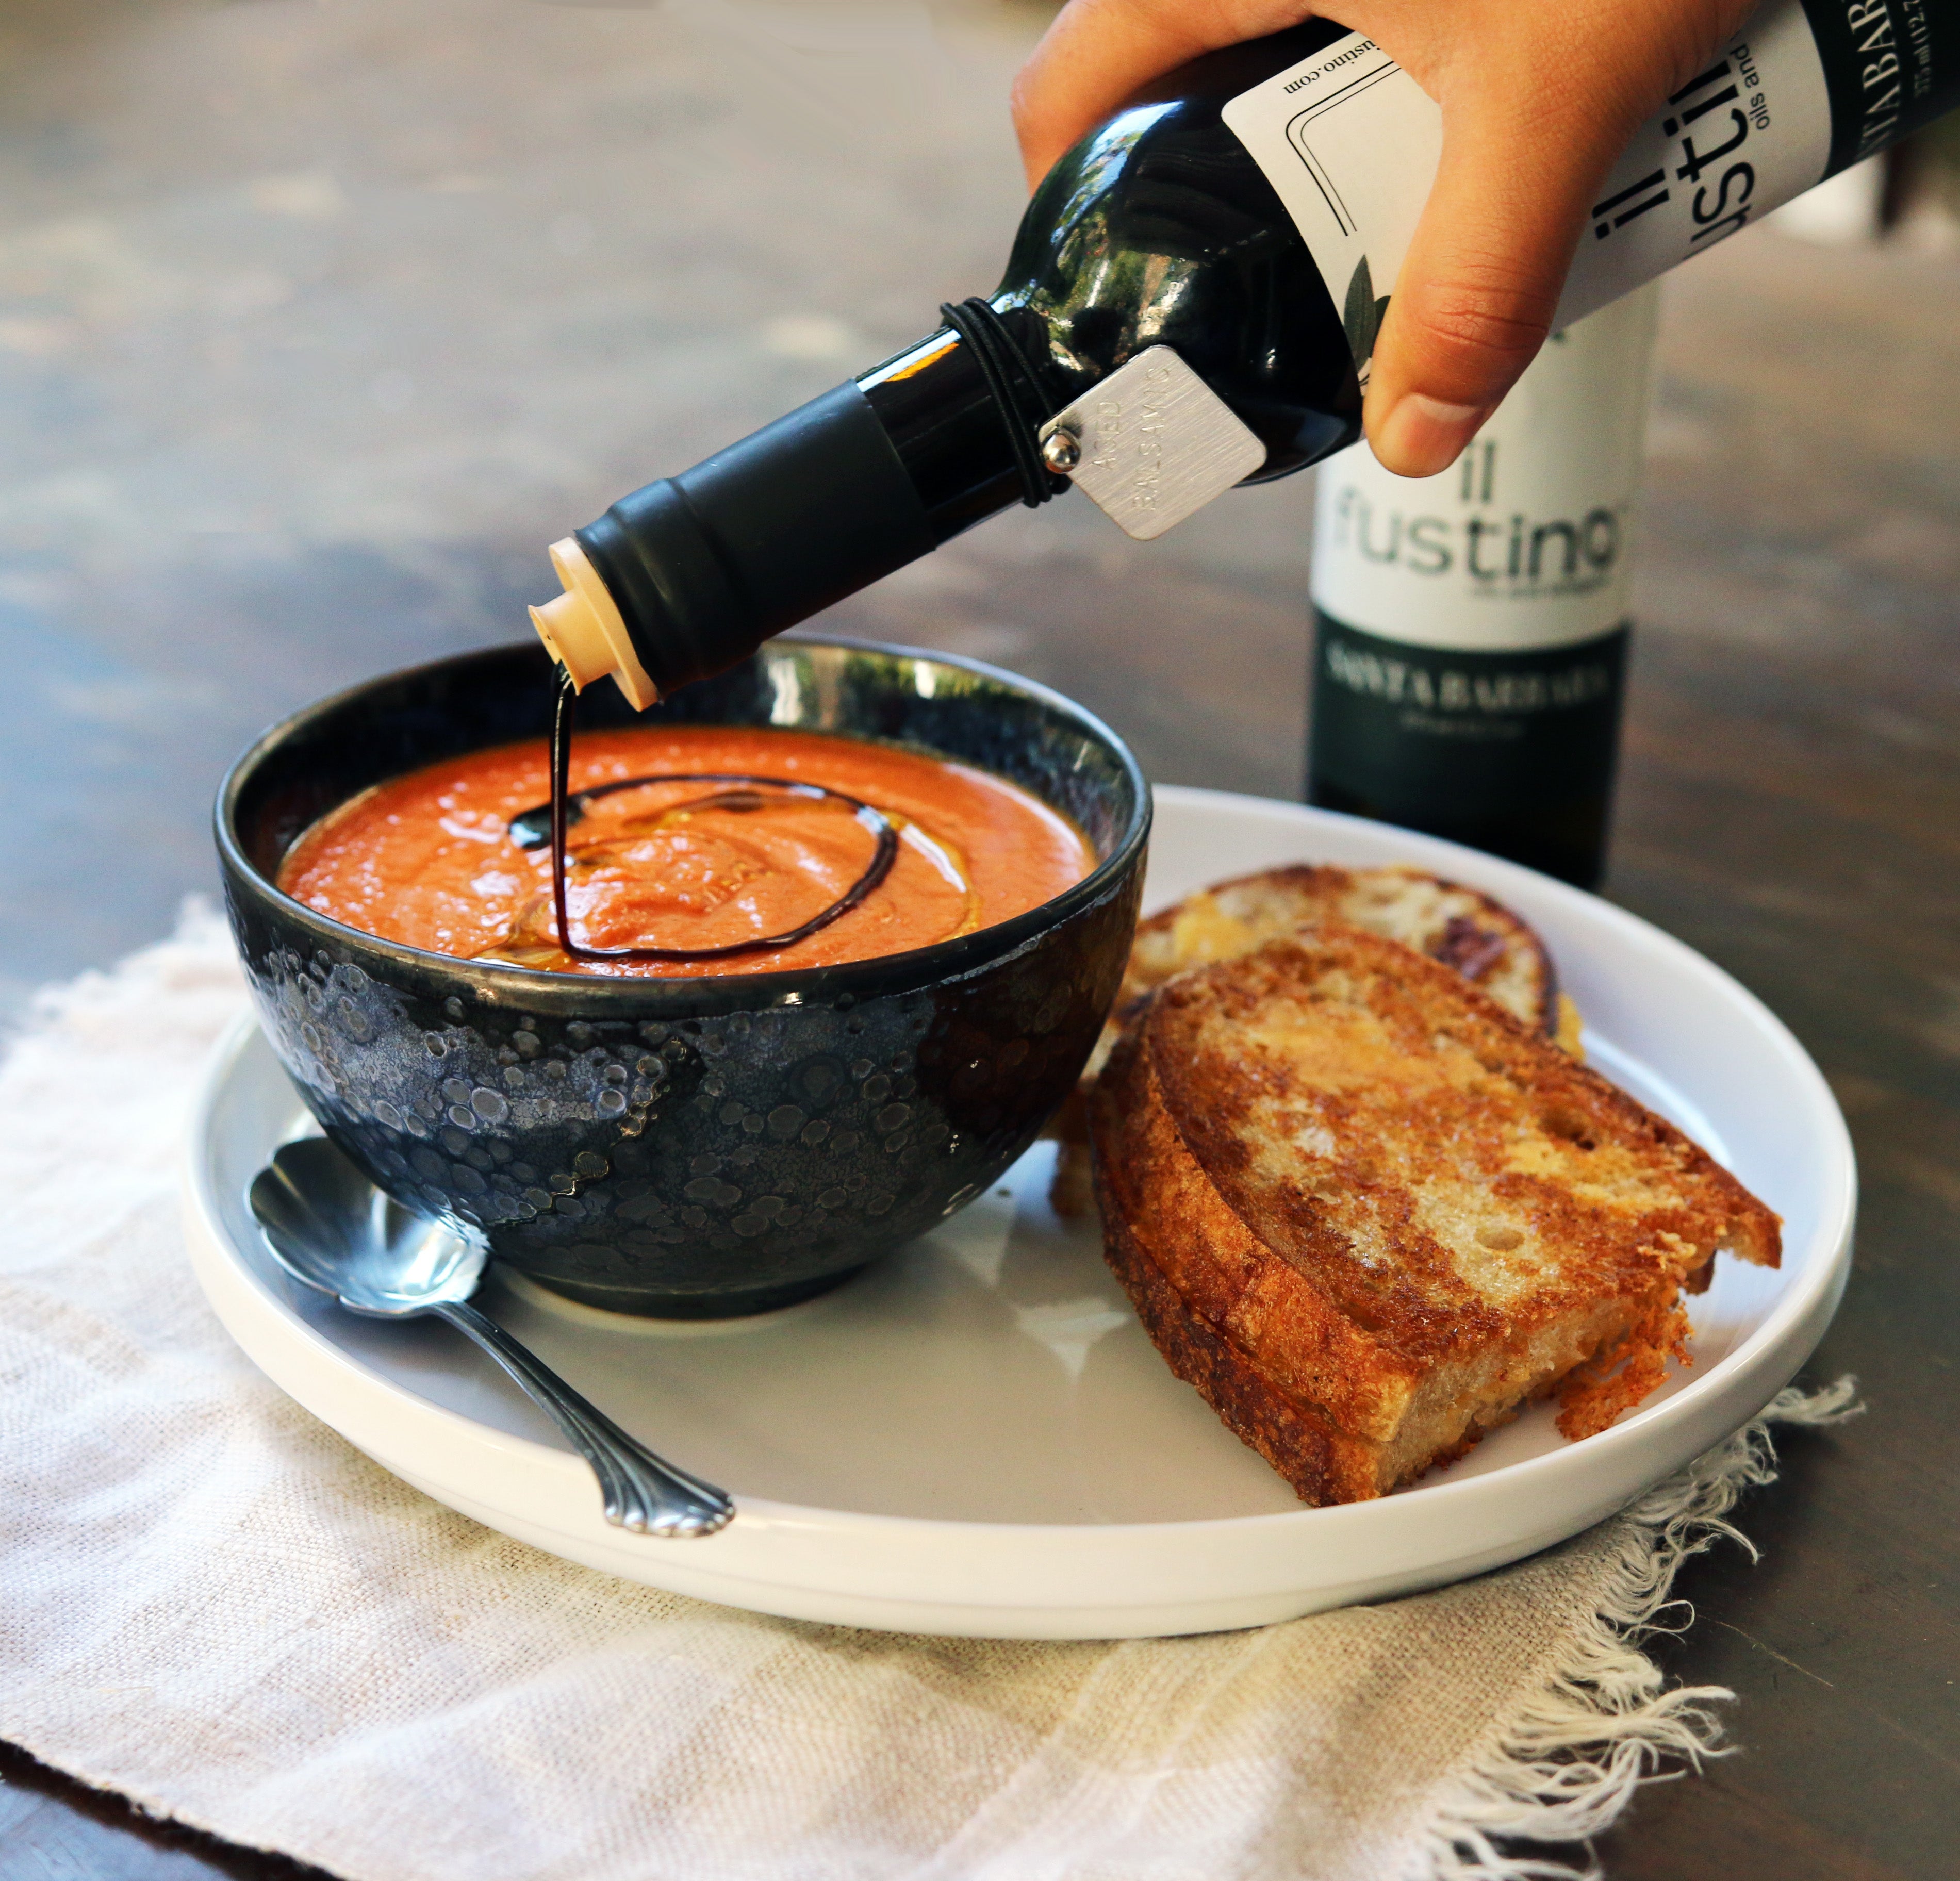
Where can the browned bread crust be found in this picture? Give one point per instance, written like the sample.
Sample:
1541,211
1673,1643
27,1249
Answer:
1482,939
1344,1185
1322,1461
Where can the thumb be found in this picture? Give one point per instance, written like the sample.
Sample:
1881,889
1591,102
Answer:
1483,274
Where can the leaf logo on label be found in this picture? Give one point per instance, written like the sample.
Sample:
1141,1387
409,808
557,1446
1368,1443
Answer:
1361,318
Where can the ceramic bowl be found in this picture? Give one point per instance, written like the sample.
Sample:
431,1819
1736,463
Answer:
700,1147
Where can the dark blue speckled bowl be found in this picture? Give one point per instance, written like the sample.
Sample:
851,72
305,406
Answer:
700,1147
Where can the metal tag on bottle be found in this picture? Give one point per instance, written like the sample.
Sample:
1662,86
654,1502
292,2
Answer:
1150,445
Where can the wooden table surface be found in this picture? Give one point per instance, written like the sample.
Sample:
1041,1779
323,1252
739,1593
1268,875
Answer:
315,323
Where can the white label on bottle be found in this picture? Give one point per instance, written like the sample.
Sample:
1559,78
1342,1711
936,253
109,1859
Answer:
1743,138
1350,143
1525,542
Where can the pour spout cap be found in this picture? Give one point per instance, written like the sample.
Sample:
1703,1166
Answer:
583,632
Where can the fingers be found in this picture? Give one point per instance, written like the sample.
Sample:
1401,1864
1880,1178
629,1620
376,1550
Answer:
1483,275
1539,97
1097,52
1092,57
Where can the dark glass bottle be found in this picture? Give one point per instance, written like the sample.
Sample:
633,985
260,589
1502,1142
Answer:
1157,230
1166,228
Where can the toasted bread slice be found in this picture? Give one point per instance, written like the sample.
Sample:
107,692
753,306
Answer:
1369,1215
1481,938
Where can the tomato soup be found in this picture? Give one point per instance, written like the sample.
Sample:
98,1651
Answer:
716,859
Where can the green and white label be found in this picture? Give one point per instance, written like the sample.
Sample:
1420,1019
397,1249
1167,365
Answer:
1526,543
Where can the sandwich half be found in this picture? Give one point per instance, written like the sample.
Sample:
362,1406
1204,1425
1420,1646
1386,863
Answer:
1370,1214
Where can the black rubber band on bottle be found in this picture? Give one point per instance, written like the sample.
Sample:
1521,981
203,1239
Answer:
1010,383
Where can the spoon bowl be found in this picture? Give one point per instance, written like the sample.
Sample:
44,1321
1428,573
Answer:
332,1229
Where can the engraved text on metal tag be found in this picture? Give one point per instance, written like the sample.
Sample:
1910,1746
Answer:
1153,443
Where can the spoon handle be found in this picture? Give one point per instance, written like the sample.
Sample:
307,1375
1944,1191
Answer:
643,1492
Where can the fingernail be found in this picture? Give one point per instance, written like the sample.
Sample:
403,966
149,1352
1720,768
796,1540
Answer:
1423,435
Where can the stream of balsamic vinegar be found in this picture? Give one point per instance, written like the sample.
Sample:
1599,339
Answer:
741,792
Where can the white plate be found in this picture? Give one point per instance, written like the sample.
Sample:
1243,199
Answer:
975,1437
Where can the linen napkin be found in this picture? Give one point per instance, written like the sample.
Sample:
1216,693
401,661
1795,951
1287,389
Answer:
211,1603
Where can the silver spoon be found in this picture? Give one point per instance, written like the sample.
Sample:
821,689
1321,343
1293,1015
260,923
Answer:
332,1228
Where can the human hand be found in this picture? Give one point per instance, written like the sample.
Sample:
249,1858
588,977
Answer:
1539,97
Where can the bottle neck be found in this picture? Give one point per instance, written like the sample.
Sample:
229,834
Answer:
701,569
946,421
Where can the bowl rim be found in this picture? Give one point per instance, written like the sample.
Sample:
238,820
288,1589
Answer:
498,983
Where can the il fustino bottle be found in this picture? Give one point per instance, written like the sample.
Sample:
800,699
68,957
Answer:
1471,629
1192,302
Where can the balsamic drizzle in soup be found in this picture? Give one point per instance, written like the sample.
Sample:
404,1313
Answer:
690,850
747,793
